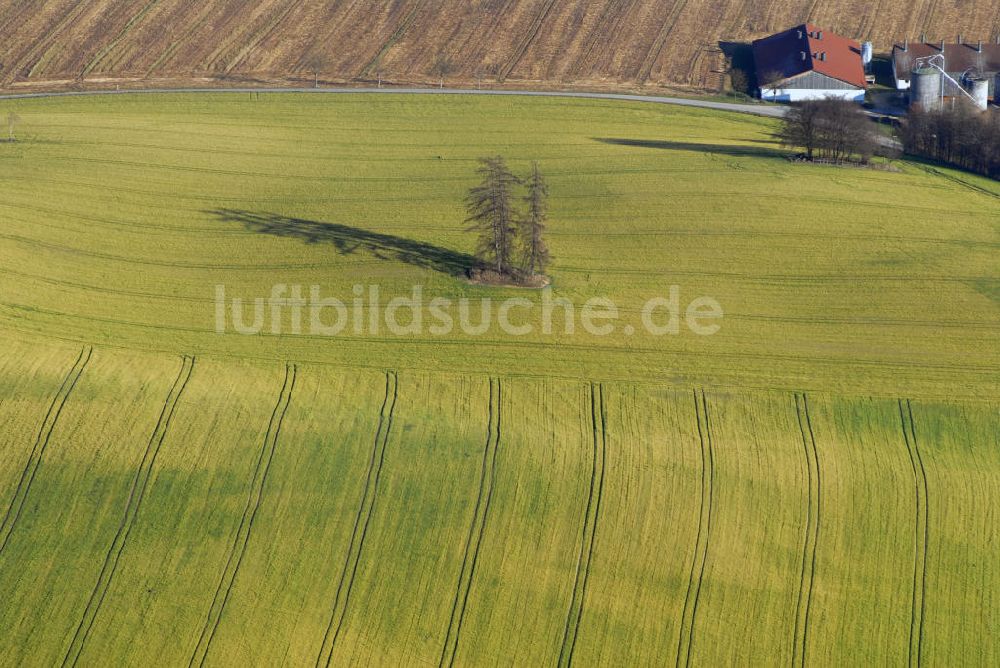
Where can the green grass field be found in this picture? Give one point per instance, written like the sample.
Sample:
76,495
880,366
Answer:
817,483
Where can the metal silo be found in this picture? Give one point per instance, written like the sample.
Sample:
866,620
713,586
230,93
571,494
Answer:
926,88
867,53
979,89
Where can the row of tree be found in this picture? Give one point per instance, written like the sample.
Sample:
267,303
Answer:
962,136
511,237
830,129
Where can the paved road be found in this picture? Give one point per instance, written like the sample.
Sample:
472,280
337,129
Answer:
772,111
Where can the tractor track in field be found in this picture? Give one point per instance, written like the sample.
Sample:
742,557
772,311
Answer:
136,495
689,615
530,36
106,50
921,537
589,533
931,11
366,509
242,538
38,51
745,276
612,16
31,467
525,345
262,35
808,572
172,48
480,517
393,39
669,23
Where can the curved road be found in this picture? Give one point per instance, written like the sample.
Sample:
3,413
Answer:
762,109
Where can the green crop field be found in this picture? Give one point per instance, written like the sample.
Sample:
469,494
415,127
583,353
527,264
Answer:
818,483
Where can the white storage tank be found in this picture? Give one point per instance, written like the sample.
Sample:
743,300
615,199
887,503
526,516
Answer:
979,89
925,89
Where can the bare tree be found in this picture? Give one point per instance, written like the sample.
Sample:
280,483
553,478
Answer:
831,129
962,136
739,81
800,129
492,214
12,120
317,62
532,223
443,68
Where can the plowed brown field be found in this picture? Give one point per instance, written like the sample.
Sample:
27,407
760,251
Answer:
624,43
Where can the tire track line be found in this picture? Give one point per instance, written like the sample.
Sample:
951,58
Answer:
807,575
365,511
25,309
920,533
646,70
41,48
135,498
686,635
268,30
242,539
591,517
397,35
530,37
123,33
480,516
14,510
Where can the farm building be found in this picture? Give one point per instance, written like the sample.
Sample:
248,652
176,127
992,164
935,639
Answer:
809,63
960,59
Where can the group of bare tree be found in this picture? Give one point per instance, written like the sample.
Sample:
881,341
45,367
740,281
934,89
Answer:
511,239
961,136
830,130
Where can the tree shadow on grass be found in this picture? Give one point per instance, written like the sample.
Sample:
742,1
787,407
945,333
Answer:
349,240
721,149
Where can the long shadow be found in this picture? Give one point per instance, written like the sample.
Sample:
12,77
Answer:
722,149
349,240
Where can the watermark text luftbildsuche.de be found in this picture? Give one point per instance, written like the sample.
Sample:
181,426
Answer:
300,310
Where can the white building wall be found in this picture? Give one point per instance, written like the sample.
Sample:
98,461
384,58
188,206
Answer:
802,94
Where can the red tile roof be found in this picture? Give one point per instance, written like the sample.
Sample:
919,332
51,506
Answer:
826,53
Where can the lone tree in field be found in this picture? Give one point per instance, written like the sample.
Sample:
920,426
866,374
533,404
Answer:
12,120
316,63
493,216
532,223
443,68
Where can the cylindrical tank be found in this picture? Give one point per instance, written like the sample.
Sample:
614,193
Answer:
925,88
867,52
979,89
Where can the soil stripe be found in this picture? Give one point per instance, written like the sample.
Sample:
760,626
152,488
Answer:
686,633
113,44
38,51
242,539
365,511
480,515
654,51
807,575
531,35
397,34
132,507
255,40
591,517
31,467
920,533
